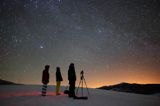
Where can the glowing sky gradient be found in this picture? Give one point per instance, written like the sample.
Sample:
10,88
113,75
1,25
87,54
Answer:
111,40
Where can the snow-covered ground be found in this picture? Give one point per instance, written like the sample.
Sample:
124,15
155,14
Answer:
29,95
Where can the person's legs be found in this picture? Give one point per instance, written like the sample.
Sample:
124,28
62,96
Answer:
58,87
44,89
71,89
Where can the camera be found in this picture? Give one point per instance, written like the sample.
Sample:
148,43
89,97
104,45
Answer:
82,74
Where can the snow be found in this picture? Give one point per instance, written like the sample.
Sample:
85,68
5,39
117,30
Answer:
29,95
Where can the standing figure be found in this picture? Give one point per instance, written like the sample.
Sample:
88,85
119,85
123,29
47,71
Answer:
45,79
58,79
72,80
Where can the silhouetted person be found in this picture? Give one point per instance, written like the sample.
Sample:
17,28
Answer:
72,80
58,80
45,79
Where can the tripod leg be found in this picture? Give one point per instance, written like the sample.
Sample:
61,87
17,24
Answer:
82,88
78,87
86,86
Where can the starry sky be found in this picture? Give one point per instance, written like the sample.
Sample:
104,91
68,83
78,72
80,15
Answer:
113,41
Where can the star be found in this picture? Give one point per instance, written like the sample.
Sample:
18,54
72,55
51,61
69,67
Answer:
41,46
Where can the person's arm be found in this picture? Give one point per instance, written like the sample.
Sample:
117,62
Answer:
61,76
57,76
75,75
48,78
68,74
42,77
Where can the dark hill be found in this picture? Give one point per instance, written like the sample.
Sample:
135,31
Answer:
134,88
4,82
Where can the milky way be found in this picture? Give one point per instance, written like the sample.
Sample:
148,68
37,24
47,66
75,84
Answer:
111,40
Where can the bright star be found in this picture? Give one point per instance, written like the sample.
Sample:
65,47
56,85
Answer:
41,47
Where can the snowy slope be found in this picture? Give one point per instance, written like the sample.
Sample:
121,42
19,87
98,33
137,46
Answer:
29,95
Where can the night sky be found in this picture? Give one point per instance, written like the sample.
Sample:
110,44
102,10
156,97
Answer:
113,41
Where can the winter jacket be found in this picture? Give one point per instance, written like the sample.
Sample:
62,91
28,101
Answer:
45,77
58,76
71,75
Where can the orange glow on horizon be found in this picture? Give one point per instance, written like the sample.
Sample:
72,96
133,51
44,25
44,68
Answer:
94,79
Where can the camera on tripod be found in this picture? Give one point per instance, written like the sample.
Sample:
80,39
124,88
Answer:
81,84
82,72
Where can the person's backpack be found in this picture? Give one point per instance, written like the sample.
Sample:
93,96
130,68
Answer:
66,91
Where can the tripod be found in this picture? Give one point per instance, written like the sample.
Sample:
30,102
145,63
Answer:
82,80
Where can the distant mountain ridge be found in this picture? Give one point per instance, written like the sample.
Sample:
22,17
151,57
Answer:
4,82
134,88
